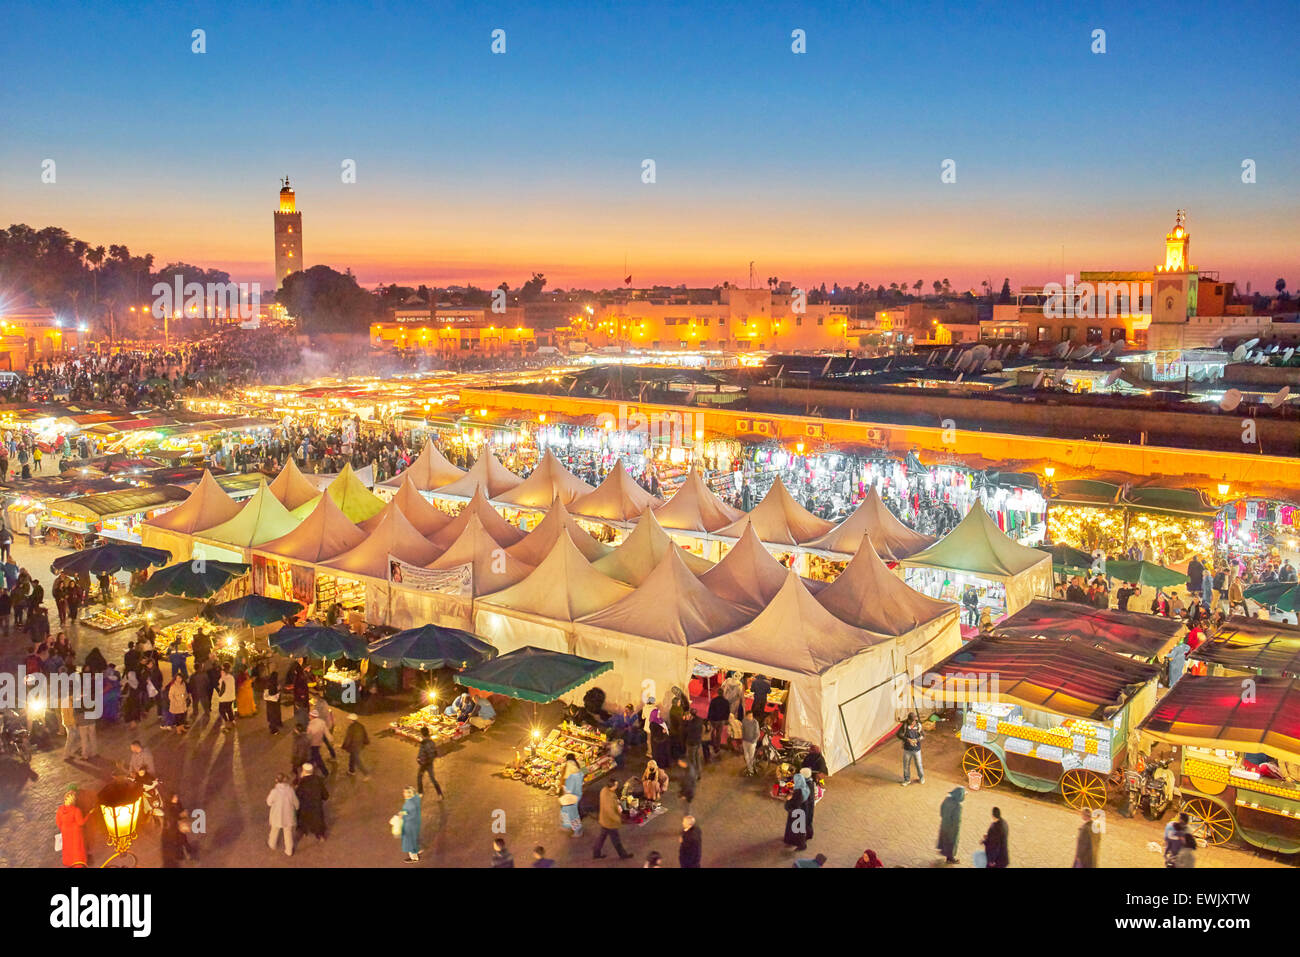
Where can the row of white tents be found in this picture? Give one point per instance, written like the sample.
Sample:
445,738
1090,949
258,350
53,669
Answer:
846,647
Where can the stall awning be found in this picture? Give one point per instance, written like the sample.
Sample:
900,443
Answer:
1246,643
1085,492
1170,501
1125,632
1219,713
127,501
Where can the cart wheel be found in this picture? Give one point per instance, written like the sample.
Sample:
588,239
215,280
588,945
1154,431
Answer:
1082,788
1210,821
986,762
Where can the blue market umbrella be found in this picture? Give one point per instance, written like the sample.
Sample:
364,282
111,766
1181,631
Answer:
533,674
200,578
318,641
110,558
256,610
431,646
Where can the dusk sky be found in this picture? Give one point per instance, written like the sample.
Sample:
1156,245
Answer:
820,167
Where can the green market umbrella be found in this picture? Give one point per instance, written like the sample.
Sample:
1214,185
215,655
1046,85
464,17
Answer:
1279,595
1063,556
110,559
200,578
255,610
318,641
432,646
533,674
1145,573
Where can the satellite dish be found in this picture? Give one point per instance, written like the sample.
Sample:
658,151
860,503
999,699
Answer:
994,365
962,362
889,365
1085,352
1231,399
1112,378
959,376
1062,350
1239,354
1286,356
929,360
1038,381
1272,350
1251,343
1024,348
1277,398
982,351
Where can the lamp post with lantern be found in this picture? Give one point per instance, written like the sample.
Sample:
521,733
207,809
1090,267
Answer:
121,802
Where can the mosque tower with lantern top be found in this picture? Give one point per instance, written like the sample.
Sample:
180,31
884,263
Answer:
288,235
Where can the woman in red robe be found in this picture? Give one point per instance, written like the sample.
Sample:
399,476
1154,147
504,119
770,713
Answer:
70,820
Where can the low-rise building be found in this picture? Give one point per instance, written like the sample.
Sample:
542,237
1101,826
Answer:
36,333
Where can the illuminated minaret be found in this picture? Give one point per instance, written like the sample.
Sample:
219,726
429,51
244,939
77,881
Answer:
288,236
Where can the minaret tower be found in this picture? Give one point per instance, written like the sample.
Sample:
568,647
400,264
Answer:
288,236
1173,300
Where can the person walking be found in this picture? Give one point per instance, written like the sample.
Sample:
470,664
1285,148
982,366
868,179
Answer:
283,803
321,706
690,848
719,712
316,732
501,856
797,814
226,698
1236,594
71,821
761,688
271,700
409,824
749,741
201,691
911,734
693,735
424,758
610,819
312,796
572,777
950,824
1186,856
995,842
354,740
1087,842
178,702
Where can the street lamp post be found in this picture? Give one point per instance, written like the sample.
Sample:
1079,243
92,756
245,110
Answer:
120,802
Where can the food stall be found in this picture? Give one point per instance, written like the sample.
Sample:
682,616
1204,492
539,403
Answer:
1143,637
541,762
1238,757
1046,714
77,522
1246,647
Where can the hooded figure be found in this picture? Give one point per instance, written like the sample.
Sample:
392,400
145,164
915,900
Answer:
411,824
798,814
311,802
1177,662
950,824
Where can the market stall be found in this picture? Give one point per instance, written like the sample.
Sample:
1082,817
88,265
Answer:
1047,714
633,559
285,567
261,519
1260,531
486,476
1140,636
350,494
779,522
208,505
1250,646
429,471
1238,757
892,540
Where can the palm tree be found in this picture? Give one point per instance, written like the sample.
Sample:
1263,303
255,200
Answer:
947,288
938,287
917,286
96,259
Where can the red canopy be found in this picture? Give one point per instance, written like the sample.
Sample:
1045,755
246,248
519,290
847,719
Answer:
1256,714
1124,632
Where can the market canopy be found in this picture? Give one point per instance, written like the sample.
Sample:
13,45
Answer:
1170,501
1215,713
322,535
1144,573
748,575
486,475
868,595
430,647
1279,595
1064,677
779,520
291,487
260,519
892,540
427,518
352,497
1246,644
392,538
563,587
670,605
200,578
695,508
121,501
109,559
1063,556
429,471
318,641
256,610
1124,632
207,506
617,499
478,507
549,481
533,674
1085,492
537,544
640,553
977,546
793,634
492,566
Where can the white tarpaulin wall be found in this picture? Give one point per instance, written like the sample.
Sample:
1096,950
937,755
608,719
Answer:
639,663
508,630
411,608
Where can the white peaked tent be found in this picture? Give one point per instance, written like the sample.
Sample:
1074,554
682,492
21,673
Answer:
641,552
748,575
978,548
617,499
537,544
394,536
694,508
486,475
350,494
549,481
478,505
491,569
779,520
647,633
322,535
418,510
869,596
893,540
260,519
841,678
291,486
208,505
429,471
540,609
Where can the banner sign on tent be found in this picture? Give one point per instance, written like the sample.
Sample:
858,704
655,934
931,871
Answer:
458,580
